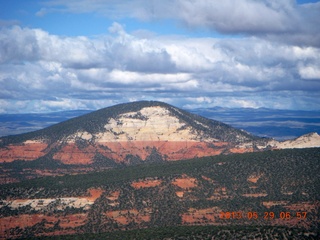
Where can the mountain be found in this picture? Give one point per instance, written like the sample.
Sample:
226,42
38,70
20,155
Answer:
125,134
93,183
304,141
126,129
272,123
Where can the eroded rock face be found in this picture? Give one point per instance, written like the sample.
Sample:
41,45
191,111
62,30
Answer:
72,154
148,124
305,141
132,133
56,222
139,135
29,150
119,151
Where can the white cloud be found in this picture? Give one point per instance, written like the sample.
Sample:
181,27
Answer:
244,17
126,77
310,72
47,72
280,20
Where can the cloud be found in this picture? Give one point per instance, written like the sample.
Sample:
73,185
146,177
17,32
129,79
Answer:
133,54
7,23
310,72
47,72
141,9
283,21
24,44
246,17
42,12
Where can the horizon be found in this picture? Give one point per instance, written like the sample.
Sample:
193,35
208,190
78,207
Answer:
184,108
60,56
279,124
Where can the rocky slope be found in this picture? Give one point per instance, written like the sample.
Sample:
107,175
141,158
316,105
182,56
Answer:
266,189
131,133
305,141
135,129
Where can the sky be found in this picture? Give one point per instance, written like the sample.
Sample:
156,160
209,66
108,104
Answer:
60,55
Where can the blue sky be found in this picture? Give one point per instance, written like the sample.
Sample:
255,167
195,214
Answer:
37,14
61,55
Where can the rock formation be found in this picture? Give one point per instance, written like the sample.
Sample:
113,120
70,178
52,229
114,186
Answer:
133,133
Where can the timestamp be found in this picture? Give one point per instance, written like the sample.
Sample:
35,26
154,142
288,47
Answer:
264,215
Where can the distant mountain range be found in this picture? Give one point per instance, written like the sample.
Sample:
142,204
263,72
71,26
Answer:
264,122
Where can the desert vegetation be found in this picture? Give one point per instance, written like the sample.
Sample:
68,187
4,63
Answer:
227,190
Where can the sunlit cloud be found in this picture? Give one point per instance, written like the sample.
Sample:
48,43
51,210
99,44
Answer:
269,56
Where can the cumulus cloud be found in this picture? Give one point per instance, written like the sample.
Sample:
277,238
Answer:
47,72
246,17
281,20
310,72
137,54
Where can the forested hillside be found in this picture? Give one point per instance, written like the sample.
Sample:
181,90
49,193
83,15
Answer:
272,188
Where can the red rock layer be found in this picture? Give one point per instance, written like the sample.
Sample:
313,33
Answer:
66,222
201,216
241,150
27,151
146,184
185,182
173,150
94,194
124,217
72,154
